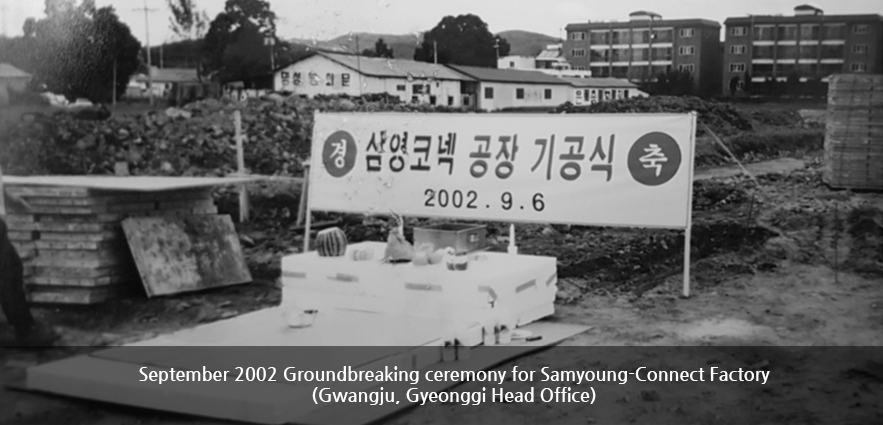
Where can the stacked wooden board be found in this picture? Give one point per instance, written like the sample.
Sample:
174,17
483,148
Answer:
72,241
854,134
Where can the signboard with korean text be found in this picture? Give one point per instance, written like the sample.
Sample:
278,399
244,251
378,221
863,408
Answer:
628,170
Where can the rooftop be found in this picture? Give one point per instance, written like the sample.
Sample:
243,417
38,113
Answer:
395,68
642,24
802,18
9,71
507,75
600,82
170,75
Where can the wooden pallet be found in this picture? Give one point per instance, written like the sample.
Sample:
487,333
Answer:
854,132
74,244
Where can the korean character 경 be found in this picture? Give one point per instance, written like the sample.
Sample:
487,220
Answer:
374,161
599,152
505,168
398,145
571,170
446,151
548,145
479,166
422,146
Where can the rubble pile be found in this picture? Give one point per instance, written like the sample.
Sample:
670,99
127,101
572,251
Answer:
195,140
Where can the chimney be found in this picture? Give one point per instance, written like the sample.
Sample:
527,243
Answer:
807,10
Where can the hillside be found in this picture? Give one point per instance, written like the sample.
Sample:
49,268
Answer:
526,43
403,45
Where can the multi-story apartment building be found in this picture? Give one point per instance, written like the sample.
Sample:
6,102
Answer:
808,45
645,46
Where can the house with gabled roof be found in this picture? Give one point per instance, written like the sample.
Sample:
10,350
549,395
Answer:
324,73
12,79
513,88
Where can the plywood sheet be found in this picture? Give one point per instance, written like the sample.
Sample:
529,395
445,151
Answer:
184,254
135,183
110,377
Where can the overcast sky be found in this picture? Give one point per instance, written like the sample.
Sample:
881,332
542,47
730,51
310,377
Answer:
324,19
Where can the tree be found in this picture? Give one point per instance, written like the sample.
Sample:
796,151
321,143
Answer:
381,50
186,21
235,47
76,48
462,40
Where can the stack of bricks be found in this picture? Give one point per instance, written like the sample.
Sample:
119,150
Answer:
72,242
854,132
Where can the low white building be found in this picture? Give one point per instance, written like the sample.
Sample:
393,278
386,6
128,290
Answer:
587,91
162,80
517,62
416,82
512,88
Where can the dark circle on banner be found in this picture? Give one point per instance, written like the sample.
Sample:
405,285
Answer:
339,154
654,159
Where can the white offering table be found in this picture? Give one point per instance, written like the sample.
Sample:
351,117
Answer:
496,287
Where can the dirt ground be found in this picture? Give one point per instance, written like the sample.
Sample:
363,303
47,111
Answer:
781,291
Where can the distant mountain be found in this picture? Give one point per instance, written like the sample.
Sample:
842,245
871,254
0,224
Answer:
526,43
522,43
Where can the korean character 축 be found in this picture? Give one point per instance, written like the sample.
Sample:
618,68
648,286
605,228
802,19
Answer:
505,168
398,145
422,145
599,151
446,151
571,170
550,144
653,158
374,161
479,167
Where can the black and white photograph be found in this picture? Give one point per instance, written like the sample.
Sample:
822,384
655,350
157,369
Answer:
403,212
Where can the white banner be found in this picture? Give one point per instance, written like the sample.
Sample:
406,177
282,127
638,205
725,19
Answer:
629,170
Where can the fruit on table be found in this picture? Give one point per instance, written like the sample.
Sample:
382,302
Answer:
331,242
421,258
437,257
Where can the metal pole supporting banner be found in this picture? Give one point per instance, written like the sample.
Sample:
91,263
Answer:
688,231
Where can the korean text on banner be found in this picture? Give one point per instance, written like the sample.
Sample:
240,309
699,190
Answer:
628,170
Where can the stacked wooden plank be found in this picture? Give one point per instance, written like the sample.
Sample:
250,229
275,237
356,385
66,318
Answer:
72,240
854,136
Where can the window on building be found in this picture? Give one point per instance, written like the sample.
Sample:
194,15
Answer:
740,49
640,55
345,80
737,67
420,89
519,93
809,32
739,31
786,52
664,35
860,48
401,87
450,100
547,94
858,67
686,50
686,67
600,55
787,32
467,101
578,36
765,33
662,53
860,29
578,52
626,93
809,51
599,37
640,36
832,51
511,64
621,37
432,100
329,79
763,52
686,32
488,92
579,68
833,32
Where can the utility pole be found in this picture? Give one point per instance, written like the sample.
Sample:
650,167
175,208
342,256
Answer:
435,51
497,47
147,33
114,83
270,41
359,64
